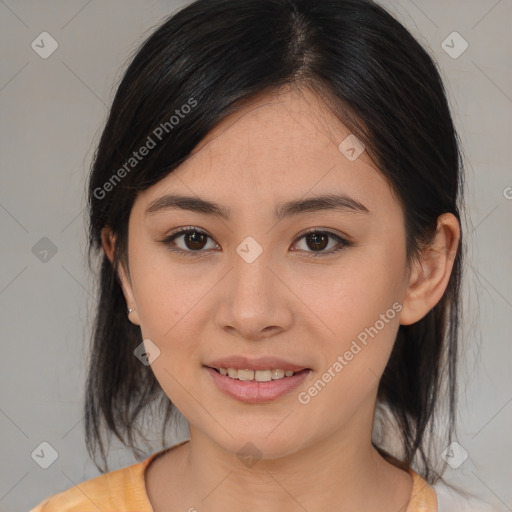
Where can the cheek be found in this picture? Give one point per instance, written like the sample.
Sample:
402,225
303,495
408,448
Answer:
362,308
354,358
353,295
165,293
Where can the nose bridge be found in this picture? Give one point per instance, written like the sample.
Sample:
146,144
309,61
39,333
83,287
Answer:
254,301
251,276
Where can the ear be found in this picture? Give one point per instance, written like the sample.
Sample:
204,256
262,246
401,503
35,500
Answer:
108,241
431,271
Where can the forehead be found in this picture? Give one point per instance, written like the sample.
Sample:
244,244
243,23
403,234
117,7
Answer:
278,146
287,122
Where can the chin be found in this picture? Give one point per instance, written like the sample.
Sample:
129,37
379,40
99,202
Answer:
252,445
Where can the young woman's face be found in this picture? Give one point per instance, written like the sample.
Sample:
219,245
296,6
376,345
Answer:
257,286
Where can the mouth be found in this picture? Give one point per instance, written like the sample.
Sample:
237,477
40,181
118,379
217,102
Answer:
266,375
256,386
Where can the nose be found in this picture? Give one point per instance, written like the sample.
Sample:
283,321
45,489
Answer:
255,303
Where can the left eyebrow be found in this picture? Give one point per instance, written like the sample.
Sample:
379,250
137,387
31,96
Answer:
339,202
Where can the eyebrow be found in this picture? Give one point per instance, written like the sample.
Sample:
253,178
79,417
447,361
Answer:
338,202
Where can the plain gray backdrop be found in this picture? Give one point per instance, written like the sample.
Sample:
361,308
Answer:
52,112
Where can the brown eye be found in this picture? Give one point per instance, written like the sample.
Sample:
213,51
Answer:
316,241
194,240
191,240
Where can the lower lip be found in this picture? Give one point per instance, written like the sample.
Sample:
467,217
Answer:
254,392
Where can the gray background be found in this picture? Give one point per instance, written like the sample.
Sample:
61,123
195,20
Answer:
52,113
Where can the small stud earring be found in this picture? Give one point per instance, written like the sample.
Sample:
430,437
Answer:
130,310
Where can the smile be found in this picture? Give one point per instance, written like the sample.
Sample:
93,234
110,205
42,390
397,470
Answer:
256,386
258,375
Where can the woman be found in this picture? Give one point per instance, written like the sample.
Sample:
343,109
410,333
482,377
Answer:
276,201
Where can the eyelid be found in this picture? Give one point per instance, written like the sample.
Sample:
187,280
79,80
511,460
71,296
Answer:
328,231
167,241
343,241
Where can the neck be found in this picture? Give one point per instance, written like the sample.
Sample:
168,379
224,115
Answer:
343,473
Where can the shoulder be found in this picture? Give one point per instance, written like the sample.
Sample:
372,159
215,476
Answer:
450,499
443,498
423,496
122,489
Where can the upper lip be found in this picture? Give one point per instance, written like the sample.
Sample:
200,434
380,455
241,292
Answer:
259,363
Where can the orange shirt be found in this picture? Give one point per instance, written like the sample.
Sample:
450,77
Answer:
124,490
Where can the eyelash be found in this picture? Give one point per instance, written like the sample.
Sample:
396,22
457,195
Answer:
343,243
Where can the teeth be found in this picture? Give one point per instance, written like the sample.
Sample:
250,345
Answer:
278,374
245,374
257,375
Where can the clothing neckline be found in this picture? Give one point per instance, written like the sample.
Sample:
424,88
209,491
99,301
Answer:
422,494
145,503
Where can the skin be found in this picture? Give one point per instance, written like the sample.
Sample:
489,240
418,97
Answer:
307,310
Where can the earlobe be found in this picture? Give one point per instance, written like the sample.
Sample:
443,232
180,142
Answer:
431,271
133,316
108,243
